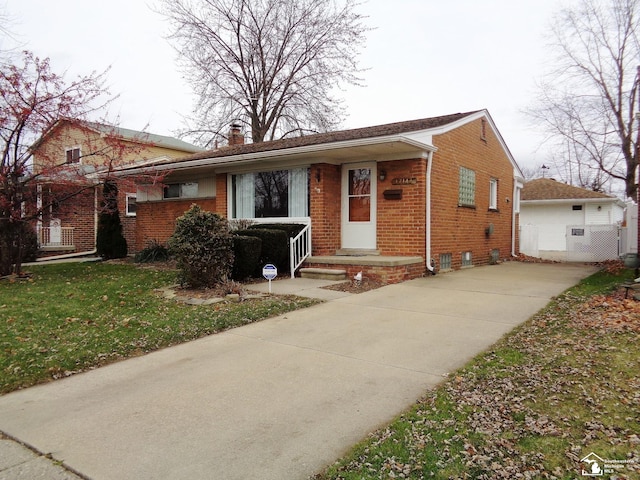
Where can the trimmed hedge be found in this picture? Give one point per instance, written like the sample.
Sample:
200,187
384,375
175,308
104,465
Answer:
275,247
292,229
246,251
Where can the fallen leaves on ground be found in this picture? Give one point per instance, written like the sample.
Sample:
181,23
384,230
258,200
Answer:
609,313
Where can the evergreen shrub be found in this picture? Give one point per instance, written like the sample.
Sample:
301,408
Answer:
203,248
246,251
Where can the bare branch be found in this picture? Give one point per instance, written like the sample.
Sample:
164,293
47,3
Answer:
272,65
589,99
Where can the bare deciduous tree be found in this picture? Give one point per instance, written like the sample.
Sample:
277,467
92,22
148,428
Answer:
272,65
588,103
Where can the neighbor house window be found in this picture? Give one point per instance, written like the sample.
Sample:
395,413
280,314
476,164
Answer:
467,259
181,190
493,194
73,155
131,205
467,188
276,193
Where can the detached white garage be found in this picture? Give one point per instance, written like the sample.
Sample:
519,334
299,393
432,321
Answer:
563,222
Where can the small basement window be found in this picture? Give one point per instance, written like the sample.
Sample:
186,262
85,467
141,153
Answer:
445,261
467,259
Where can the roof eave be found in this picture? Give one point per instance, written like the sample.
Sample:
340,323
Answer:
247,158
571,200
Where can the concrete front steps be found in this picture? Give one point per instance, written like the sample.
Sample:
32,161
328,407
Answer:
379,268
323,273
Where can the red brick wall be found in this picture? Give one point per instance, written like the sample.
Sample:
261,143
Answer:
401,223
77,211
459,229
221,195
324,192
157,220
384,274
128,223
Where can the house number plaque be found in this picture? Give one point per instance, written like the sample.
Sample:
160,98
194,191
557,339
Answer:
404,181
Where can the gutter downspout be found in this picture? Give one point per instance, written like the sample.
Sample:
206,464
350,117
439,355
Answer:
430,267
516,203
95,235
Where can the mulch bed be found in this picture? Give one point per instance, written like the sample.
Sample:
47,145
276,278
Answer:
355,287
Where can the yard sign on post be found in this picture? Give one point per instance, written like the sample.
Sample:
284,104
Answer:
269,271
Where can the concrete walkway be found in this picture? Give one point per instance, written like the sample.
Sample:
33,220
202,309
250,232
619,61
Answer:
279,399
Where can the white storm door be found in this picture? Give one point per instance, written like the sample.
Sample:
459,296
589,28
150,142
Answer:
359,206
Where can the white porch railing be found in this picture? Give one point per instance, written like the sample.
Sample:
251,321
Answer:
56,237
300,248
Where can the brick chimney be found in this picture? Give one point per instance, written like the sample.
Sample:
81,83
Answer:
236,137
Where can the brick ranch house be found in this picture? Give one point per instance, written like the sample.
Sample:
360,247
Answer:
69,155
393,201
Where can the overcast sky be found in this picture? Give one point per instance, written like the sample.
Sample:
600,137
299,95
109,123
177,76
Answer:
424,58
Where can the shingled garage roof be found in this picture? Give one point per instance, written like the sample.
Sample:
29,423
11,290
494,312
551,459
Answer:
549,189
324,138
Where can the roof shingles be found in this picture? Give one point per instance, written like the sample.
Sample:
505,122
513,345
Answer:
329,137
549,189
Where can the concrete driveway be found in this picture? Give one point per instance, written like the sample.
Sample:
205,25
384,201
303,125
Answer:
282,398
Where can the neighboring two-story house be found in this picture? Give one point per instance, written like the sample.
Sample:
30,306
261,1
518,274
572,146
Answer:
69,157
393,201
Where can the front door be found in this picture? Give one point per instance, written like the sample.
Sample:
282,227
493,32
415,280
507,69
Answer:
359,206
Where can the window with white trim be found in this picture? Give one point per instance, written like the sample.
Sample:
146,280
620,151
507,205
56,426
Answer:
493,194
130,206
73,155
275,193
180,190
467,188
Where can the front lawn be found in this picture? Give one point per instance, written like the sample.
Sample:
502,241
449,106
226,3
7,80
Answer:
562,386
73,317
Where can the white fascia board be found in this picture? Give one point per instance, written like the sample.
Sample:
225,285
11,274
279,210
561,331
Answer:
518,175
569,201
